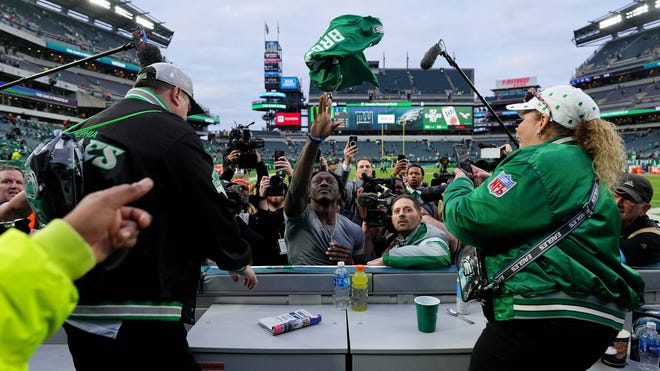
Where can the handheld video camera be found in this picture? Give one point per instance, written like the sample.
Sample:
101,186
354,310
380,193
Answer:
377,199
240,138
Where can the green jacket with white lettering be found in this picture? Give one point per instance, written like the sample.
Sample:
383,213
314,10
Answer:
530,194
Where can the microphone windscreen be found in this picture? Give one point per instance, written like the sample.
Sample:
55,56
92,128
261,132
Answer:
430,57
149,54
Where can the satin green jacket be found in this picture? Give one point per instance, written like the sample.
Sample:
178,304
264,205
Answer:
530,194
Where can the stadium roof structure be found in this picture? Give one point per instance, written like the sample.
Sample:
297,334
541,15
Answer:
121,14
629,17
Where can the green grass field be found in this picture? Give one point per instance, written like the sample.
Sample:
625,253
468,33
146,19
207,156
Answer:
655,183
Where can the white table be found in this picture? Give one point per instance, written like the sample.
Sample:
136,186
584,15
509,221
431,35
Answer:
229,334
385,337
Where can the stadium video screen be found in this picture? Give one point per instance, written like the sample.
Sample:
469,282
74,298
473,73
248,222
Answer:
403,115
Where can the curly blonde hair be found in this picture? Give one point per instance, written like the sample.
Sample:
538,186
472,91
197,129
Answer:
601,141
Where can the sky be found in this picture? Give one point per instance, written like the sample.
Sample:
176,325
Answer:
220,43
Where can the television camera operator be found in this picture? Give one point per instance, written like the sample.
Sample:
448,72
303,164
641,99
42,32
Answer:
373,201
375,207
242,153
418,241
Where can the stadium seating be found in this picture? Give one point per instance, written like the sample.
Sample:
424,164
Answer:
622,51
395,80
429,82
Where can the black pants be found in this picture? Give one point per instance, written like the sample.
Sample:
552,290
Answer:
543,344
140,345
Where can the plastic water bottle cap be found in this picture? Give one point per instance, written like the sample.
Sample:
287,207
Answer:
341,263
651,325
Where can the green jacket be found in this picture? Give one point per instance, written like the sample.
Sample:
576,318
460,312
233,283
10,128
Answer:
424,248
530,194
36,286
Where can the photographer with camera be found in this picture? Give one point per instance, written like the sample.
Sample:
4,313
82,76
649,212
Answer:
417,244
245,214
363,168
374,200
270,216
241,140
316,233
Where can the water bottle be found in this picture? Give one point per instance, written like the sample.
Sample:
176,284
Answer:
342,287
461,306
649,348
359,289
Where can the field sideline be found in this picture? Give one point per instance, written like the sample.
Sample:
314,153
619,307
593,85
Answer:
428,176
655,183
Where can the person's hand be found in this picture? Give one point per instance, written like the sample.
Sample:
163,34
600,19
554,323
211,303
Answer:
105,223
349,152
401,166
249,278
376,262
258,156
283,164
263,186
232,158
479,175
505,149
338,252
322,126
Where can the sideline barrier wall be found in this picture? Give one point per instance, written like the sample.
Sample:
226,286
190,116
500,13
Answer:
313,285
308,286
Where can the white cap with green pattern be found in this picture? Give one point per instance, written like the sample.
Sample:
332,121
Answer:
565,105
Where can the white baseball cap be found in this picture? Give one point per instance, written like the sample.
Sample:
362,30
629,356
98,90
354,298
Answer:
173,75
565,105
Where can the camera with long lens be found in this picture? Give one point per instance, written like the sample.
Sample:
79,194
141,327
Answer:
241,139
442,178
376,198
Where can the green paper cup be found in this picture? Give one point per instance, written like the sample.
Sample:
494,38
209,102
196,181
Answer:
427,313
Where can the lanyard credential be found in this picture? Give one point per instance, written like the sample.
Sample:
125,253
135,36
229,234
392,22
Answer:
548,242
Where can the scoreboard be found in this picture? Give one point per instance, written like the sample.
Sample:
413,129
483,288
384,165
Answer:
400,116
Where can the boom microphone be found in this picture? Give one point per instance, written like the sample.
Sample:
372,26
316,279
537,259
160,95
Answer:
148,54
430,57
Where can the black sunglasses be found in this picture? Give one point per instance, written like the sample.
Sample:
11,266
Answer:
532,94
22,225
